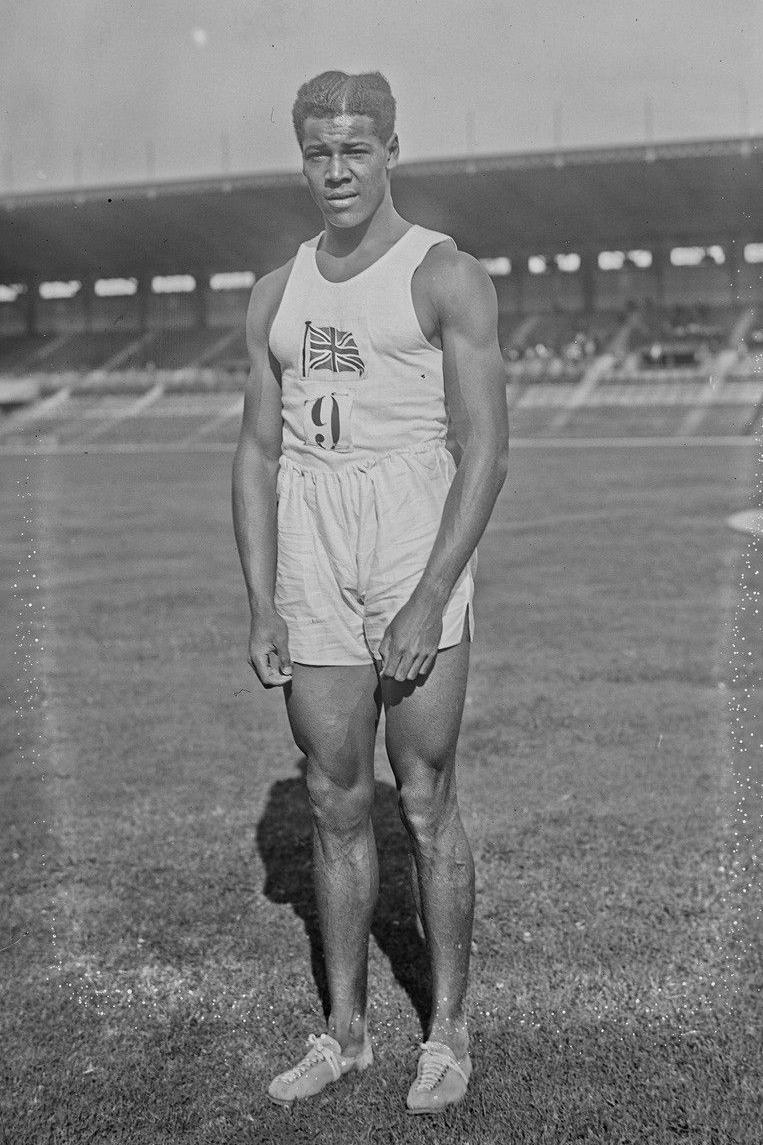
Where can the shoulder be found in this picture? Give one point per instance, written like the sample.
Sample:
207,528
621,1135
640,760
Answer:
455,281
264,302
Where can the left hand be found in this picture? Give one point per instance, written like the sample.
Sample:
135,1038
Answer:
409,645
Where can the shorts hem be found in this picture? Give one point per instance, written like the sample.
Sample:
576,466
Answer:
324,663
466,616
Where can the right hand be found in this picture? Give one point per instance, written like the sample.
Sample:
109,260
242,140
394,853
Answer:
269,650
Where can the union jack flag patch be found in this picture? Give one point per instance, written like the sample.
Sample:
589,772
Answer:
326,348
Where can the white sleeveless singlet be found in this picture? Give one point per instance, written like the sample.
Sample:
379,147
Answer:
365,470
359,380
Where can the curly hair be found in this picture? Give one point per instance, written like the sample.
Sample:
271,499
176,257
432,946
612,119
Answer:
337,93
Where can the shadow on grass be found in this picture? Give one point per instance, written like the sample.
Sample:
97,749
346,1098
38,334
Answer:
284,841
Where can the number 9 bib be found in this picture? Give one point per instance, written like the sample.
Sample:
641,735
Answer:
327,420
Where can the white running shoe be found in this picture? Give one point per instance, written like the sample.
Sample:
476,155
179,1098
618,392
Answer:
441,1079
321,1065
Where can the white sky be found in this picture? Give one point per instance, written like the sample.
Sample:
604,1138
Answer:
89,87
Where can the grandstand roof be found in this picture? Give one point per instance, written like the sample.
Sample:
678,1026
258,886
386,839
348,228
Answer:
544,202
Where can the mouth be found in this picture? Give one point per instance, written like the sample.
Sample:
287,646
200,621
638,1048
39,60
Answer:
345,198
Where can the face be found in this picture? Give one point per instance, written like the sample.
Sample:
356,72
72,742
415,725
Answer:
346,167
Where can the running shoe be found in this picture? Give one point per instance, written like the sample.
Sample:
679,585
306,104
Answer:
441,1079
322,1064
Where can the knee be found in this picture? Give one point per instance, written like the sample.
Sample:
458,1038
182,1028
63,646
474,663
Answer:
426,808
338,809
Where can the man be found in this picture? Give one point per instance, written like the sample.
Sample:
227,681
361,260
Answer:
357,533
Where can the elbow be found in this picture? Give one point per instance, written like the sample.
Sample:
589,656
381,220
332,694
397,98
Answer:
237,468
494,466
491,456
251,458
501,458
501,466
242,451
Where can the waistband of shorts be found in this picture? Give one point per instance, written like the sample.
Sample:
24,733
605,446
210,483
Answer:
435,445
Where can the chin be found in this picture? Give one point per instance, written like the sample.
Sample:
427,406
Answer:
345,219
349,218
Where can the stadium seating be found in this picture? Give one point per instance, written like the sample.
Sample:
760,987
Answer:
642,343
19,352
171,349
84,351
605,324
159,349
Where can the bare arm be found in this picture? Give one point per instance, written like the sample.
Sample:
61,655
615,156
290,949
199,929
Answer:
475,385
255,471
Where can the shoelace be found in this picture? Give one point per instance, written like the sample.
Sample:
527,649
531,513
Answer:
434,1065
320,1052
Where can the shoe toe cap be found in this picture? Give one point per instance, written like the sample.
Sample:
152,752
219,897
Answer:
422,1101
278,1091
449,1091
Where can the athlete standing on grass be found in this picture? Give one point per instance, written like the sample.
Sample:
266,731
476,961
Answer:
357,534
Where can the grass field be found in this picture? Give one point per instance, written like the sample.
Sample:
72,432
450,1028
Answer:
160,955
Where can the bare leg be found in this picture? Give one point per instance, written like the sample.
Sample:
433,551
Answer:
422,730
334,712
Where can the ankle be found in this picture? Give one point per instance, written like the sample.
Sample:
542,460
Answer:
351,1034
451,1032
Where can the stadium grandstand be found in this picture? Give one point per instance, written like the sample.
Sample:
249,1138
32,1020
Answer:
629,282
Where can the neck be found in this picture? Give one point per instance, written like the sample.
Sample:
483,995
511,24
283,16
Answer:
383,227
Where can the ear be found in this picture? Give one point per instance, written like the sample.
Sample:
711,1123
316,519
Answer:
393,151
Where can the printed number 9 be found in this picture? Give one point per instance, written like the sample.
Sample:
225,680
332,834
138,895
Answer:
317,419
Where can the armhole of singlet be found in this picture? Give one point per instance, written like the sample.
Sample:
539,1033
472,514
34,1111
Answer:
436,239
302,251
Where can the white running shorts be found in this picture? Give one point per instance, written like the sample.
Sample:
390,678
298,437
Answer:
352,546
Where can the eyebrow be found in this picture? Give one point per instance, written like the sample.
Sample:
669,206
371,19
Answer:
344,143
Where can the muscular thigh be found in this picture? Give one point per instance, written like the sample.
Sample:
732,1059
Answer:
333,712
423,719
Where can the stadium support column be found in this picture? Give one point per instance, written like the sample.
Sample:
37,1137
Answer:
519,273
588,279
30,304
660,262
733,253
143,292
88,284
200,298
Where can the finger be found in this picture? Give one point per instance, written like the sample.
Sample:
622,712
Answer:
267,673
278,676
383,652
259,663
283,657
390,663
415,669
427,664
404,666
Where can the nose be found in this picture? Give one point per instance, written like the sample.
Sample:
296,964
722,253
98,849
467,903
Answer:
337,172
